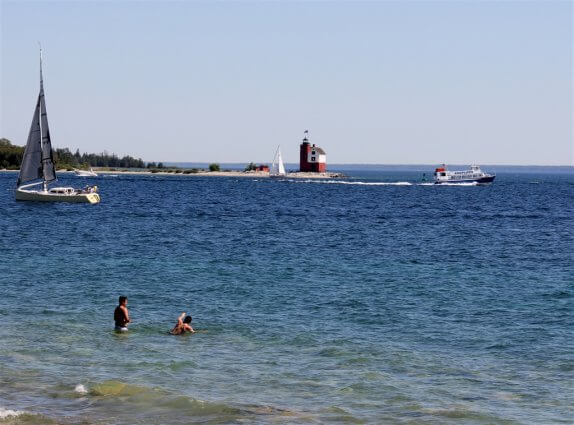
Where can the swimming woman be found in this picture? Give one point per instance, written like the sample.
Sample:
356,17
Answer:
182,326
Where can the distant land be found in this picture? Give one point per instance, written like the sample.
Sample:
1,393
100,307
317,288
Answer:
423,168
11,157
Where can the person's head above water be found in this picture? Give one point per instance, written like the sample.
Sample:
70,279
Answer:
187,319
123,300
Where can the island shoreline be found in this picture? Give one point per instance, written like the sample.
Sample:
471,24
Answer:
203,173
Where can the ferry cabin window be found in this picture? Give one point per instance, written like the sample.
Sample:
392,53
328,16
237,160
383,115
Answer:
312,158
313,153
443,174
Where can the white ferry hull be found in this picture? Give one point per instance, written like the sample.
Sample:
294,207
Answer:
473,176
41,196
482,180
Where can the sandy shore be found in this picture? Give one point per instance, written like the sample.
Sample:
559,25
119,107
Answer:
248,174
202,173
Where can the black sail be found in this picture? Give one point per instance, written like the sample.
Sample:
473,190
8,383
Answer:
31,168
47,156
37,162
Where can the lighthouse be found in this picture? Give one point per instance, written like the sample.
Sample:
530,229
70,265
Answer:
311,158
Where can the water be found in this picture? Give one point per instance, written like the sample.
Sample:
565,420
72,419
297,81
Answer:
315,302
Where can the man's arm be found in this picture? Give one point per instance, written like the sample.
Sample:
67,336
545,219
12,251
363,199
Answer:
126,314
180,319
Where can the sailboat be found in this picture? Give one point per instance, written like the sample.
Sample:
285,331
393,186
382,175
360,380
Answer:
85,173
277,167
38,163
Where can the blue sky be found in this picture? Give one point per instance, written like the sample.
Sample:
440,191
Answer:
392,82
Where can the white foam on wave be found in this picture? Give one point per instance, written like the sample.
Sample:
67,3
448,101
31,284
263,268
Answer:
6,413
80,389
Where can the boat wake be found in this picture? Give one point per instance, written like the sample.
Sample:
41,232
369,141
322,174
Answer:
456,184
361,183
353,183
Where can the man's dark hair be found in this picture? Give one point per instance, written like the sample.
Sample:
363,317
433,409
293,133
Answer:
122,298
187,319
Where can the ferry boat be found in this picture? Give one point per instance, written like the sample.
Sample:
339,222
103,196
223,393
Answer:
474,175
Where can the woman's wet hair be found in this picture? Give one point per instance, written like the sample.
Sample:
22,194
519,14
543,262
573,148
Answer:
187,319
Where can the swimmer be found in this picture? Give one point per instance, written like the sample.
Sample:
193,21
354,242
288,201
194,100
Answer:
121,315
182,326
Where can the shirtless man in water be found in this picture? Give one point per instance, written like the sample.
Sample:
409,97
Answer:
121,315
182,326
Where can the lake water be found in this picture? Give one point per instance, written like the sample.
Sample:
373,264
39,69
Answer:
374,299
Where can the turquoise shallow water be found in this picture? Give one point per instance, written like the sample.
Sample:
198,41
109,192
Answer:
367,300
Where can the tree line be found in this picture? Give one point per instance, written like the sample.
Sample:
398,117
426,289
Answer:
11,158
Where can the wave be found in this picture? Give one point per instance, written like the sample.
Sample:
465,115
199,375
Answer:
461,413
7,413
19,417
80,389
116,388
143,398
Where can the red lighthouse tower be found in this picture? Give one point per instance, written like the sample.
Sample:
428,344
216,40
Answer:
311,158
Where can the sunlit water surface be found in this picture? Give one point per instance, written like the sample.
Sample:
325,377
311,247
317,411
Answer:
374,299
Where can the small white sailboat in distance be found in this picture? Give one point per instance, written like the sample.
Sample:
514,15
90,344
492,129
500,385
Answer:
37,166
277,167
86,173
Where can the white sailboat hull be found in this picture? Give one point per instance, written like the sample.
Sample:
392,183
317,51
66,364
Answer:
41,196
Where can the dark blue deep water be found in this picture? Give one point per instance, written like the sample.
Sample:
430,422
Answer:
368,300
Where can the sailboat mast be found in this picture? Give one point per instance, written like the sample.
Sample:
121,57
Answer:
40,119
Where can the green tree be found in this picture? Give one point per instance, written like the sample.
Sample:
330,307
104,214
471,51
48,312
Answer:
214,167
251,167
10,155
